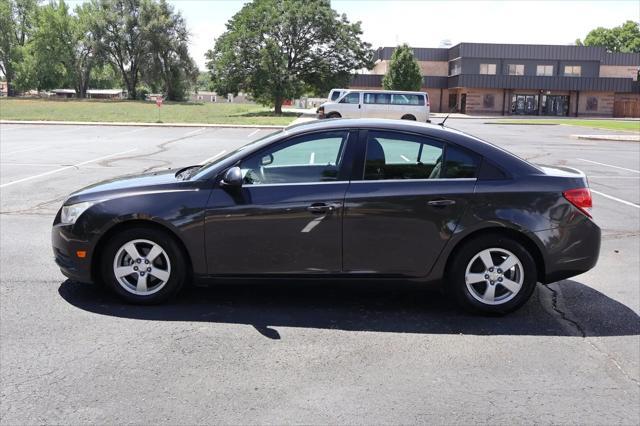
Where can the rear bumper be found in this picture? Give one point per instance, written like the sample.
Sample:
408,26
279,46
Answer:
570,251
65,247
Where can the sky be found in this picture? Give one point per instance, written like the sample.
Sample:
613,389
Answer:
425,23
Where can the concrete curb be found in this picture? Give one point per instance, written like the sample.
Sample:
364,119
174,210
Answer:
123,124
616,138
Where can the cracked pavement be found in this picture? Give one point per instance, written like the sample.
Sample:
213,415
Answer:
306,352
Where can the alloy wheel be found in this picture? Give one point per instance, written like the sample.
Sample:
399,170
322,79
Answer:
142,267
494,276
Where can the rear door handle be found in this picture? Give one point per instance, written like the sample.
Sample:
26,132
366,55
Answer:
319,208
441,203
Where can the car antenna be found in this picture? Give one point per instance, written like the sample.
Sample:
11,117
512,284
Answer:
445,119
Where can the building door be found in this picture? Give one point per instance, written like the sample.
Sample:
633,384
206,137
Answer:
555,105
524,104
463,103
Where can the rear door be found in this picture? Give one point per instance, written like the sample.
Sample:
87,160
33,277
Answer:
404,202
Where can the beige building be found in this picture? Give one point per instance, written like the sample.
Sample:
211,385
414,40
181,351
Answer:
517,79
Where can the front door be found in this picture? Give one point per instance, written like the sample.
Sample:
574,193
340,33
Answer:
406,204
351,105
463,103
286,218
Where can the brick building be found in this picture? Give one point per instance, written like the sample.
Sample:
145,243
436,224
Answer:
522,79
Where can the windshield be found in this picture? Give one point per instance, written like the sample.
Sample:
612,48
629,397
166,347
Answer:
197,171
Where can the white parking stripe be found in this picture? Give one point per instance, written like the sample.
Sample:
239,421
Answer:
253,133
214,157
609,165
66,168
629,203
194,132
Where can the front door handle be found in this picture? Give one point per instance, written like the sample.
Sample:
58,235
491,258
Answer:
321,208
441,203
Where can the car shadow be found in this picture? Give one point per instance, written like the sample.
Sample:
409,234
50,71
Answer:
398,307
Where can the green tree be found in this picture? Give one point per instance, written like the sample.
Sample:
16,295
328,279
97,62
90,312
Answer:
144,36
168,63
404,71
278,49
17,21
624,38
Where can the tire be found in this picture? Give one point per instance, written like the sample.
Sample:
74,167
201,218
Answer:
168,268
409,117
510,288
334,115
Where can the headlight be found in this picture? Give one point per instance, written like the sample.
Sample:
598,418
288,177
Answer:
72,212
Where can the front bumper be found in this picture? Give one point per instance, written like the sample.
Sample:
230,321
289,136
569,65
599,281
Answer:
65,251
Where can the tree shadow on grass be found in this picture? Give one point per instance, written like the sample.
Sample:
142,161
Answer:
397,307
265,114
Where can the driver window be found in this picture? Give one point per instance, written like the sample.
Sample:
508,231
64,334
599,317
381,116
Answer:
310,158
402,156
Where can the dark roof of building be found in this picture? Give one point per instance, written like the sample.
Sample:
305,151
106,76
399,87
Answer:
518,51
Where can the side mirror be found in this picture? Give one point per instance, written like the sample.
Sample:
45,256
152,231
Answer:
232,178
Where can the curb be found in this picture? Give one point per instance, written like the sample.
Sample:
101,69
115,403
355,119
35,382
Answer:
123,124
615,138
521,124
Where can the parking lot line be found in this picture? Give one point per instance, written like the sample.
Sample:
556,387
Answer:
629,203
214,157
66,168
253,133
609,165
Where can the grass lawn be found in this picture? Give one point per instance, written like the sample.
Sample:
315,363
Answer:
139,112
627,125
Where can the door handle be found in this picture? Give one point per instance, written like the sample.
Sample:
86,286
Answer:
319,208
359,106
441,203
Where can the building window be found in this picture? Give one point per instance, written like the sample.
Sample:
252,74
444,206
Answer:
592,103
516,69
572,70
488,69
488,101
544,70
455,69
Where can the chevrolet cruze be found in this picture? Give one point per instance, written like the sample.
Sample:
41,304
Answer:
367,199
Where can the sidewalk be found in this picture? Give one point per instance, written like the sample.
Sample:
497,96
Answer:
617,138
105,123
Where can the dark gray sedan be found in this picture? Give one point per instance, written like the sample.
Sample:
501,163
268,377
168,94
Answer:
372,199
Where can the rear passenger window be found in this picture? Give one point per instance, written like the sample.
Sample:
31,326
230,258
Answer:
351,98
377,98
459,164
407,99
392,156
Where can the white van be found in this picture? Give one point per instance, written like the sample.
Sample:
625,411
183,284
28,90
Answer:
377,104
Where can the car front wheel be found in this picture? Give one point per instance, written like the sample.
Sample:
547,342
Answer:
493,274
143,266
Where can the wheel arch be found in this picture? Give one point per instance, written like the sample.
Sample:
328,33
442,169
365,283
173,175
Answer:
128,224
521,237
409,117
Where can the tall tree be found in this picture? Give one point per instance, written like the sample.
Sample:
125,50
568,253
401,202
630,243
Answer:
624,38
17,21
119,35
277,49
168,63
404,71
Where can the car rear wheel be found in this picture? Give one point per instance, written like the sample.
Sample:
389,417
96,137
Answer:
493,274
143,266
408,117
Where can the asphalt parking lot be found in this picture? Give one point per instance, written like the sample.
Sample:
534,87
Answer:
313,353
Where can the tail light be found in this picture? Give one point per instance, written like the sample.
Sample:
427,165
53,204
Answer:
581,198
